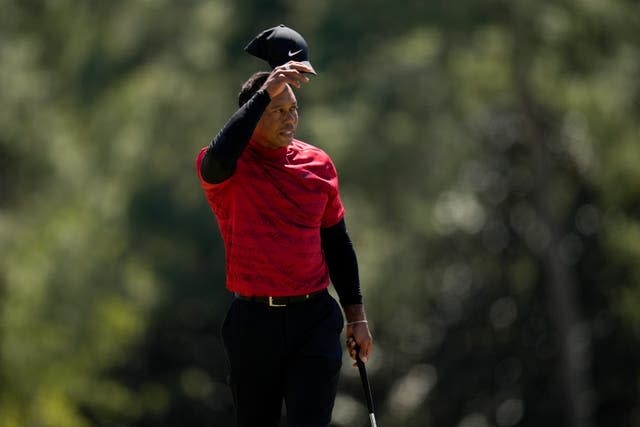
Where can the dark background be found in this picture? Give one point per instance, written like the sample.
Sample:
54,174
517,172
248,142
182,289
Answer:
488,155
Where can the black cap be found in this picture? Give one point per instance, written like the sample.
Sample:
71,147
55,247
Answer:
279,45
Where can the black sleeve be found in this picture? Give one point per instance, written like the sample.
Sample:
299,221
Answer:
341,260
219,161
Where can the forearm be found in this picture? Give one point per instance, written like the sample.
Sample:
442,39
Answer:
343,267
354,313
219,161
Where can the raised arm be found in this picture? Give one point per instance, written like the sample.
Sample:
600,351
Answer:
220,159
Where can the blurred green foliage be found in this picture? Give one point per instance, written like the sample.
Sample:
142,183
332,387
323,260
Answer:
488,154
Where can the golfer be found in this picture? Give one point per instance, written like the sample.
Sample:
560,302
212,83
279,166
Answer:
278,208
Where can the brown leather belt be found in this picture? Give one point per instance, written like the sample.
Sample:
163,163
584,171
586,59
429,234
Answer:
280,301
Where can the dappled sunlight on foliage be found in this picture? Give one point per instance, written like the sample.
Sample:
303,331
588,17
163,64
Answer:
488,159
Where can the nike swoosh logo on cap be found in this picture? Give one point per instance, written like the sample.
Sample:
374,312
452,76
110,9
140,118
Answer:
294,53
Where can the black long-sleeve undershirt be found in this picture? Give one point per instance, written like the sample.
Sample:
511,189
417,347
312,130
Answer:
219,164
342,262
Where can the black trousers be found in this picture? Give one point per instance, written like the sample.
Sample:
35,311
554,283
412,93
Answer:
291,354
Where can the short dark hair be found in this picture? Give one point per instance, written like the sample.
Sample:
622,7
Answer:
251,86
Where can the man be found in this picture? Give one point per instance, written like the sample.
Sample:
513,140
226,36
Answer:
279,212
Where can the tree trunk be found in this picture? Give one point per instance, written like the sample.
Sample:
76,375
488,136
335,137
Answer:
559,277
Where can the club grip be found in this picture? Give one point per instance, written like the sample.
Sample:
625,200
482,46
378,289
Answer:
365,381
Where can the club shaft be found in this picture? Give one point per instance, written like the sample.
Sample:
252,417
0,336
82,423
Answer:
365,385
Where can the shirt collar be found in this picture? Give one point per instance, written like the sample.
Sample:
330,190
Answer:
268,153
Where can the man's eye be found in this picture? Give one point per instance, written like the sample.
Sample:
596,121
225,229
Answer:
282,111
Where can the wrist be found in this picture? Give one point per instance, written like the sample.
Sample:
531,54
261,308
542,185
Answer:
264,92
354,313
357,322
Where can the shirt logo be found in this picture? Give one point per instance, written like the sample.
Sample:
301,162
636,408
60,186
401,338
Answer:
294,53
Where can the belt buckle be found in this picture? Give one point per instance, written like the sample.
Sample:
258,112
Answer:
272,304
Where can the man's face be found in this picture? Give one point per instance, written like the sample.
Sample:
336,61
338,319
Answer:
279,121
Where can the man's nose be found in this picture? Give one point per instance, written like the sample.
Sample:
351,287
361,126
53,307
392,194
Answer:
290,117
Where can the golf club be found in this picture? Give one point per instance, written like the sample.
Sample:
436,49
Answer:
366,387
